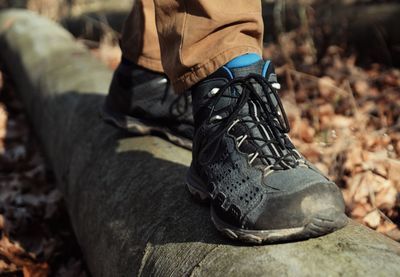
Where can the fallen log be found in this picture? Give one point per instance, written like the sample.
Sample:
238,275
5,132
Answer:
125,195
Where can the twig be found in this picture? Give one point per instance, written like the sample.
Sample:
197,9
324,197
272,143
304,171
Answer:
352,98
385,217
290,85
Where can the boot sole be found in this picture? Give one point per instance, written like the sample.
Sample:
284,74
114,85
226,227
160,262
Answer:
138,126
322,223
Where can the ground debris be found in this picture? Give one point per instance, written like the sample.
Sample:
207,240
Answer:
36,238
346,119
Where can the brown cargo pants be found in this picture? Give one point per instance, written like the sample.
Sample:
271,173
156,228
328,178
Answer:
190,39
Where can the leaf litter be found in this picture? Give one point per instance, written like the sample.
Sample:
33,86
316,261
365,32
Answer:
36,237
344,118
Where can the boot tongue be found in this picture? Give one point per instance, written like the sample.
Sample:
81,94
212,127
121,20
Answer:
241,66
246,64
244,71
238,67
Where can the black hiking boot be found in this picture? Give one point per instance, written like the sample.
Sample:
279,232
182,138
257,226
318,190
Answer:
142,102
261,188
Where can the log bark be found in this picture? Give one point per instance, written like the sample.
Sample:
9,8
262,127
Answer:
125,195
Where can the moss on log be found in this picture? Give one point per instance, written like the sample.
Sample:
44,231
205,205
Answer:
126,198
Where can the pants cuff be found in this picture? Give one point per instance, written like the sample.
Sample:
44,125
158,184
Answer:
200,72
152,64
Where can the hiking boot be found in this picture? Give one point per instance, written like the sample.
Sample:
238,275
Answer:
261,188
142,102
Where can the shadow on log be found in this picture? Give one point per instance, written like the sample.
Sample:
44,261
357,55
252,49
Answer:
125,196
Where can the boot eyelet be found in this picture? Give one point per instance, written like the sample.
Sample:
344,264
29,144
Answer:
213,92
276,86
215,118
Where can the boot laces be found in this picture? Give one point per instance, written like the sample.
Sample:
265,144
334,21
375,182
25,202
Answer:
181,103
268,116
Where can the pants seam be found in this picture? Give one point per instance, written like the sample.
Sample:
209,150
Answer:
183,32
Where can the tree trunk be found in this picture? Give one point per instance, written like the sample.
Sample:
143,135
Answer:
125,196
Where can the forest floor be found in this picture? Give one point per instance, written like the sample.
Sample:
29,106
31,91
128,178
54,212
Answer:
36,237
344,118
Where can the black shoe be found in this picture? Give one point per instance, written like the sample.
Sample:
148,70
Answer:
143,102
261,188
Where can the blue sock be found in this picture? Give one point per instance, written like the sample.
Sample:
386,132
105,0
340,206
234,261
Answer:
244,60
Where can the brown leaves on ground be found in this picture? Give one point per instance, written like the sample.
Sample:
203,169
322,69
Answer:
36,238
346,120
15,258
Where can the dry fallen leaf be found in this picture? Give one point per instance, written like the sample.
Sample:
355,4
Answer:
361,87
1,222
3,127
360,211
341,122
394,170
21,259
1,81
372,219
306,132
386,197
327,87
